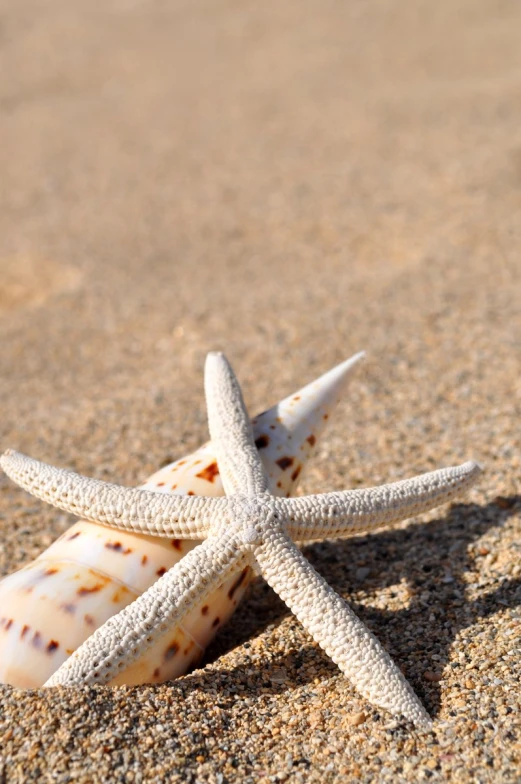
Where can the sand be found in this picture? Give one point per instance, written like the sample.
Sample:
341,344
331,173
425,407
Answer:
291,183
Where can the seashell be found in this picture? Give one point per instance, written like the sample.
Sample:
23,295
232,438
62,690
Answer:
49,607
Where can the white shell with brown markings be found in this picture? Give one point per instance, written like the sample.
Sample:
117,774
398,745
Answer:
49,607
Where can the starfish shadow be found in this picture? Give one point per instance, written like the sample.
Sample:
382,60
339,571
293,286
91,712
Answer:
431,559
279,674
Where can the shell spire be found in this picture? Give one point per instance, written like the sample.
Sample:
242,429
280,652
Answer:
287,433
49,607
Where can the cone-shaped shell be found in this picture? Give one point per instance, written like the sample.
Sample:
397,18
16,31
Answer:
48,608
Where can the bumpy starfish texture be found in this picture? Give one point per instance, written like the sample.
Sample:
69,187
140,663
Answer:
247,527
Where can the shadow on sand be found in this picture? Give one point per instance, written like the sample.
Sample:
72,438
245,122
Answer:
432,558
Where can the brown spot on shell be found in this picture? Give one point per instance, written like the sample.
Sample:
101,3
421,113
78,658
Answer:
50,571
296,397
86,591
156,672
262,441
74,536
144,560
52,646
204,610
176,544
190,492
160,484
161,571
209,473
279,484
296,472
188,647
171,651
311,440
89,620
273,427
68,607
24,631
284,462
8,624
181,462
238,582
118,548
216,622
37,640
174,487
326,416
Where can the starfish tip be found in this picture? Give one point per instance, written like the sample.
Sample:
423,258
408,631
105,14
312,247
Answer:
473,467
6,457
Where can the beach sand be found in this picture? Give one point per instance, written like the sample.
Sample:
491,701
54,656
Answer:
290,183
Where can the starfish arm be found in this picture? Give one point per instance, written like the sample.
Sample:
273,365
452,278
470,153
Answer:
239,463
352,511
131,509
335,627
127,635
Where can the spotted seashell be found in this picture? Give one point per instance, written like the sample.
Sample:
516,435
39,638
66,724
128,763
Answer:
49,607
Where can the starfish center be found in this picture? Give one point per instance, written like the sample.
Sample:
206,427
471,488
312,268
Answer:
252,516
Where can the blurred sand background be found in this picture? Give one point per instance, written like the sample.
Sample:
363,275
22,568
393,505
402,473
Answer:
291,183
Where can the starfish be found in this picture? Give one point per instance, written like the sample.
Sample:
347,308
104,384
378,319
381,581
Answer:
247,527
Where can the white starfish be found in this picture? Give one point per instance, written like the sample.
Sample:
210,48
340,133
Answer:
247,527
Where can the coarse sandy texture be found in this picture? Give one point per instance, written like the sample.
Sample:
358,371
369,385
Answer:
289,182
